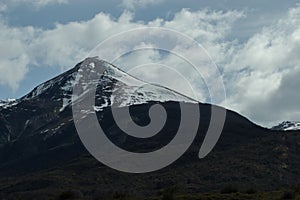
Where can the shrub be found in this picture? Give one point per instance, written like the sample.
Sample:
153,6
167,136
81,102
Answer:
120,195
169,193
251,191
70,194
229,189
297,189
288,195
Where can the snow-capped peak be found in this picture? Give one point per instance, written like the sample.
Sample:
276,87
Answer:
114,87
288,126
121,89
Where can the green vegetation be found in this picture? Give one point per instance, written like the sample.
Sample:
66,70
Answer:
255,169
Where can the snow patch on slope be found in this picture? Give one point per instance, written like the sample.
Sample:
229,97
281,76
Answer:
8,103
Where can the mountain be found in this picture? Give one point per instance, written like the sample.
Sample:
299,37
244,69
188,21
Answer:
48,101
287,126
42,156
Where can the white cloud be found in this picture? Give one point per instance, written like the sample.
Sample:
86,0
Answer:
261,67
133,4
66,44
208,27
14,59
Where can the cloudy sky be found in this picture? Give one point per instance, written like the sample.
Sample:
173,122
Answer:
255,45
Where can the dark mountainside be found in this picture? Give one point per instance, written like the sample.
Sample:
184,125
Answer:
42,157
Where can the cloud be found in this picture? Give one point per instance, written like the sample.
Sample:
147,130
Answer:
133,4
68,43
208,27
39,3
3,7
263,69
14,59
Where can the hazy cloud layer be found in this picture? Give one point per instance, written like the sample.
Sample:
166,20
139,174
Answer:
35,3
3,7
133,4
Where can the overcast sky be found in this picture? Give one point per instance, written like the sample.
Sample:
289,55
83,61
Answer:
255,44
